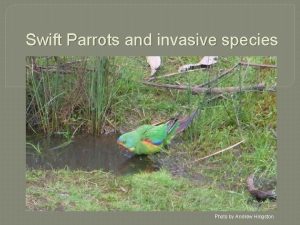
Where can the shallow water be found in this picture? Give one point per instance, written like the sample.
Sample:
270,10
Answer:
85,153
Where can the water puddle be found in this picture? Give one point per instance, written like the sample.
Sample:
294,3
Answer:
84,153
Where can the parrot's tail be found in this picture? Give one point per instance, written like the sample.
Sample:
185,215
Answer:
187,120
172,124
184,122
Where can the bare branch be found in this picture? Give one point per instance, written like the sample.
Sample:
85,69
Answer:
258,65
199,90
220,76
171,74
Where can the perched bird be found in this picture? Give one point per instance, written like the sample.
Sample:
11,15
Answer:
149,139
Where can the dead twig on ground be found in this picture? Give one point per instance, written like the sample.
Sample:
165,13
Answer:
199,90
257,65
171,74
219,76
220,151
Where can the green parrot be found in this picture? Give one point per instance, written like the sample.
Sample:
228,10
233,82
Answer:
149,139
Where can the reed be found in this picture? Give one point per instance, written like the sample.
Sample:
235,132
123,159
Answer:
101,88
44,97
98,93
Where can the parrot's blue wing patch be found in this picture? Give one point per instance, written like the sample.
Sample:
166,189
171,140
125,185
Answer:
158,142
154,142
156,134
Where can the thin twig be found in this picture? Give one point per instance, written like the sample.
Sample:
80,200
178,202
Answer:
218,152
220,76
77,128
111,123
258,65
272,88
273,133
171,74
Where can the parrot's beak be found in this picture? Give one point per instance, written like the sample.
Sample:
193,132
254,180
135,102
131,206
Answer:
123,147
120,143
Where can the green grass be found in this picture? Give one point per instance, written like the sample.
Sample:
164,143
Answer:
94,191
82,103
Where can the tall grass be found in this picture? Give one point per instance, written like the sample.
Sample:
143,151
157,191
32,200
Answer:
66,100
43,97
98,93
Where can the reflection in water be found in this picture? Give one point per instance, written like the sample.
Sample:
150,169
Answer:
85,153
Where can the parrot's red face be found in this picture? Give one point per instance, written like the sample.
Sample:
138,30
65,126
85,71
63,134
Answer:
125,151
125,142
122,147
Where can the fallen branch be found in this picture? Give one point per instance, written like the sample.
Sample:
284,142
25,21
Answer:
220,76
272,88
257,65
199,90
171,74
218,152
65,68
